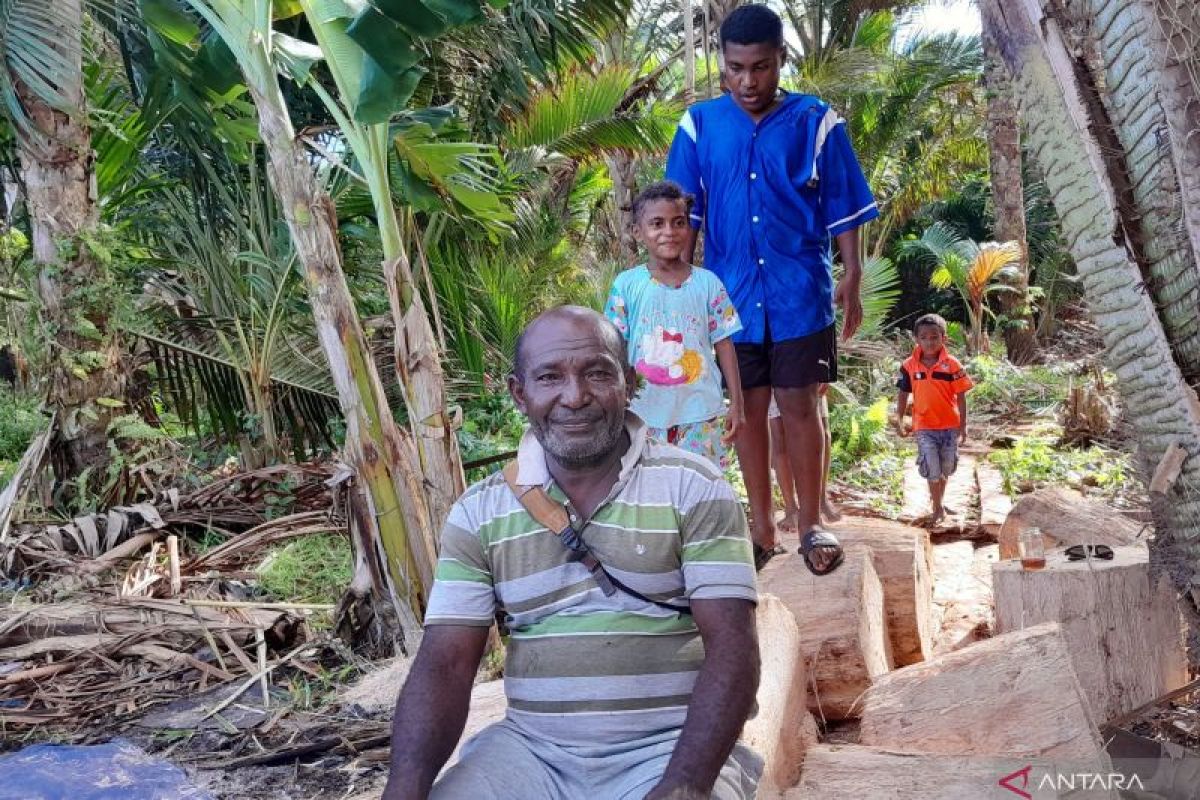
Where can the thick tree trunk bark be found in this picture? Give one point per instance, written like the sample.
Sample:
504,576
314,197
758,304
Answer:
1174,43
77,295
1008,199
1115,44
1089,181
390,521
621,169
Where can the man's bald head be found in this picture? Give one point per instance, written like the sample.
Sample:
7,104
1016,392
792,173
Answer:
582,319
571,379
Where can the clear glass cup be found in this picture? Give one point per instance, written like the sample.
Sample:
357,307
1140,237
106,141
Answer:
1032,548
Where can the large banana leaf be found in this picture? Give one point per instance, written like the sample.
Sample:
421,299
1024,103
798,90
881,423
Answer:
384,65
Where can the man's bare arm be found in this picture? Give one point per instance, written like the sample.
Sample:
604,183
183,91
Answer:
848,293
721,700
432,708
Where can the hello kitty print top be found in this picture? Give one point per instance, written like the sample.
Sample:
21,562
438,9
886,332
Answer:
671,332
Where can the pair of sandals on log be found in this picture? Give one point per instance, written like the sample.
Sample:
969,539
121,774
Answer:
812,541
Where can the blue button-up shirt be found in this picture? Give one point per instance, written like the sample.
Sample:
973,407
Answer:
771,196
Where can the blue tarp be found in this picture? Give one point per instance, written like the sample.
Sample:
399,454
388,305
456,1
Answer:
117,770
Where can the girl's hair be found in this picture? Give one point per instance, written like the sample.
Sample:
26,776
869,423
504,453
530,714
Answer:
660,190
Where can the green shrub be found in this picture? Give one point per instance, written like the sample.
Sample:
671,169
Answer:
1035,461
865,455
858,432
491,425
20,421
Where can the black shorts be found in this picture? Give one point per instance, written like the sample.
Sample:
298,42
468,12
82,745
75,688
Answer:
790,364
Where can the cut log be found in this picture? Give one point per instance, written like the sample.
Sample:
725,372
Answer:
903,560
869,773
843,630
1013,695
1125,632
783,729
962,594
994,504
1066,517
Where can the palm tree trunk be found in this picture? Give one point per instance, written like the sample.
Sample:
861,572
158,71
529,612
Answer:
393,560
689,52
1094,189
621,169
1174,39
78,298
1008,198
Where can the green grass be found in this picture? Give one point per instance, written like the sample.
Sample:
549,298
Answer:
312,569
312,693
1036,460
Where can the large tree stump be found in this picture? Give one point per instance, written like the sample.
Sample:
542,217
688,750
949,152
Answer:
1125,632
1013,695
869,773
1065,517
903,559
843,630
783,729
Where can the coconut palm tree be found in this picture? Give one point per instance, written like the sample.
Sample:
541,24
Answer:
912,112
1008,198
976,271
42,95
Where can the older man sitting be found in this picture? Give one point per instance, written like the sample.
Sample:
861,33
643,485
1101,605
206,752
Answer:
633,661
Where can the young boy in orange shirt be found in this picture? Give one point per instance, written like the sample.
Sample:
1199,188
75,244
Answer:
938,385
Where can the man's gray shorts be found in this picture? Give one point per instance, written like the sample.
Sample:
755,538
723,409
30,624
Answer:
504,763
937,454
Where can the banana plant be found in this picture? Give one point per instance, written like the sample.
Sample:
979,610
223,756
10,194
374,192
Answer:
391,528
371,54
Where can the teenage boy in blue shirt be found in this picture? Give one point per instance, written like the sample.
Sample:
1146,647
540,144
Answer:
776,183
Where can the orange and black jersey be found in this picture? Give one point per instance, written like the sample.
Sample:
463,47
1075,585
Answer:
934,390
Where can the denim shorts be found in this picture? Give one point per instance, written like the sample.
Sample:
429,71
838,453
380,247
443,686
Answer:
937,454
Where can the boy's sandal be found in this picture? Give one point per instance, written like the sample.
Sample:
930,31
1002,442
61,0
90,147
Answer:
764,554
818,538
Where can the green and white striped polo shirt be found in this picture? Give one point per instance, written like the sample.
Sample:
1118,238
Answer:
584,668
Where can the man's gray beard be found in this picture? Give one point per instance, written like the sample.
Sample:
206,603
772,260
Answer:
585,453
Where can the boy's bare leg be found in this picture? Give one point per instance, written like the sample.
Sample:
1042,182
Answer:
782,467
937,490
829,511
806,446
753,447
